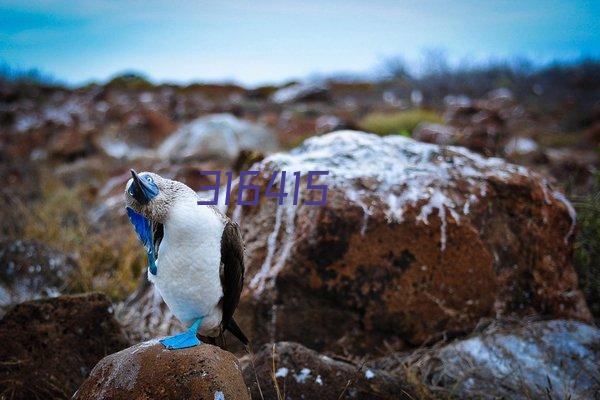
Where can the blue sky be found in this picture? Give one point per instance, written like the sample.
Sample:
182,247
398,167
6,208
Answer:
254,42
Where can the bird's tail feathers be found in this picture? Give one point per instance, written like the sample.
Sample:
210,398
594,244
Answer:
233,327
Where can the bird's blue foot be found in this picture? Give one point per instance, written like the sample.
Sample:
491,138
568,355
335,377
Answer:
185,339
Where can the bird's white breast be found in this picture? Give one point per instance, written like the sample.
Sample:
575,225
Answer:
189,261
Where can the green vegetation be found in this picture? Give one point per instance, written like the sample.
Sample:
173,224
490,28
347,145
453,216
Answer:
398,123
130,80
587,248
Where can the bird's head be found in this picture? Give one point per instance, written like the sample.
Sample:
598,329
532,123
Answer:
151,195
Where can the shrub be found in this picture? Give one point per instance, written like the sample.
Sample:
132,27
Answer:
587,248
130,80
399,123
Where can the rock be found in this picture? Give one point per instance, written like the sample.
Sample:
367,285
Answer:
145,315
49,346
484,125
246,159
551,359
434,133
141,131
120,149
576,166
31,270
328,123
84,172
305,374
149,371
405,225
68,144
218,136
500,98
520,146
109,208
156,126
457,101
299,92
191,174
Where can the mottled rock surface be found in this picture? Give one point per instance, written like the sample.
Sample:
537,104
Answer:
49,346
435,133
219,137
550,359
484,125
302,373
30,270
149,371
415,241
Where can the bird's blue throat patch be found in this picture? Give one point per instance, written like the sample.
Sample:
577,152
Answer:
143,229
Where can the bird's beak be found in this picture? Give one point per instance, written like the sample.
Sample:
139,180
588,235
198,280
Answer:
141,190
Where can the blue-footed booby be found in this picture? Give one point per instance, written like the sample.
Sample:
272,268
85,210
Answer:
195,256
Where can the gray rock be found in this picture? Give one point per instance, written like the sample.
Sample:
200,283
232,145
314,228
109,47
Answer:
519,146
218,136
300,92
31,270
556,359
435,133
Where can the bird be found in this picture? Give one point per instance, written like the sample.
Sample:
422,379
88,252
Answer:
195,257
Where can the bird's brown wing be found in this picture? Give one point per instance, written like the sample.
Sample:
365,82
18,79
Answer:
157,236
232,270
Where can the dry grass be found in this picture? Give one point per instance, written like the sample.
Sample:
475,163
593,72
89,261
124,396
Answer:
587,247
110,260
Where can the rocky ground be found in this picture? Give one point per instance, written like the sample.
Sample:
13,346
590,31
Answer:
448,261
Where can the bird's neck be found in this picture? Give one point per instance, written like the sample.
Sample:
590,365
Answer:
186,217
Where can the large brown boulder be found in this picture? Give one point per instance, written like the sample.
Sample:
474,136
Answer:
49,346
149,371
301,373
414,242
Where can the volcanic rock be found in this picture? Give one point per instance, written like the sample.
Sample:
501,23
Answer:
68,144
415,241
550,359
520,146
484,125
305,374
31,270
434,133
49,346
218,136
149,371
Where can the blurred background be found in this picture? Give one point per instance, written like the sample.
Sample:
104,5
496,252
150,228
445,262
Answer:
91,89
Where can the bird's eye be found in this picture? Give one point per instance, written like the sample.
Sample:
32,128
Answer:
149,178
